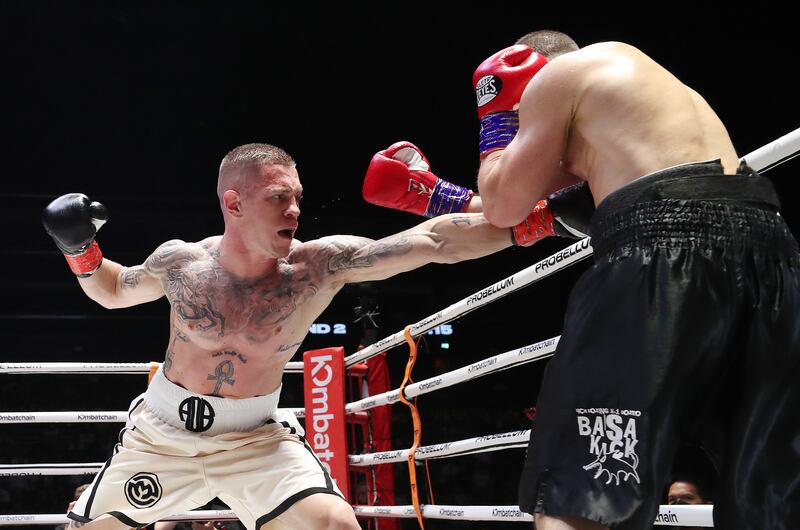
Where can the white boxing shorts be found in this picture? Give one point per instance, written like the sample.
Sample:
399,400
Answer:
179,450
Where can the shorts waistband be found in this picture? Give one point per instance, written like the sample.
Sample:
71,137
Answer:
209,415
695,181
689,205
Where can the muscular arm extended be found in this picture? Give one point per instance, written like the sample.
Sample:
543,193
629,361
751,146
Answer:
445,239
115,286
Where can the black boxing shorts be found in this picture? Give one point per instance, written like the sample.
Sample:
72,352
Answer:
687,325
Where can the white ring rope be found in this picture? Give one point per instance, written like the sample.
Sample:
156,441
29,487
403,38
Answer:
503,361
568,256
94,368
74,368
58,518
679,515
26,470
90,416
683,515
480,444
64,417
774,153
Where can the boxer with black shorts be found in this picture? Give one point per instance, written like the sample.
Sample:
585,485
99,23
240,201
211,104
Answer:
694,295
241,304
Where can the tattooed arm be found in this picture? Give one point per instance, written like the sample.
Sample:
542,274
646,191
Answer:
115,286
444,239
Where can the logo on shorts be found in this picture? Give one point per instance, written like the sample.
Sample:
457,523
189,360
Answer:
143,490
487,88
612,438
196,413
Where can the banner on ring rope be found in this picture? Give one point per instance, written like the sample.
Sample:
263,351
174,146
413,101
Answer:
323,388
574,253
685,515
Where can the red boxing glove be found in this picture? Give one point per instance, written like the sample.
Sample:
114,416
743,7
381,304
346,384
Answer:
538,225
499,82
565,213
399,178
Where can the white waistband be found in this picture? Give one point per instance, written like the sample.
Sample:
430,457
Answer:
207,415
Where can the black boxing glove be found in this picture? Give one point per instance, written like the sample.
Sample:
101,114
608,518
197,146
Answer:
572,209
565,213
72,220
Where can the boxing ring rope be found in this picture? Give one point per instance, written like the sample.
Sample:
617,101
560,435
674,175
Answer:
75,368
93,368
24,470
684,515
763,159
468,446
57,518
490,365
91,416
572,254
480,444
774,153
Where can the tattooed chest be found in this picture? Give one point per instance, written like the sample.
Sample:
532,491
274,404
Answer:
208,302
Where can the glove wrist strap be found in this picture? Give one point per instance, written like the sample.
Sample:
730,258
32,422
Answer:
538,225
87,262
497,131
447,198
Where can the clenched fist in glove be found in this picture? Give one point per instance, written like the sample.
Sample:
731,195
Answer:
499,82
72,220
399,178
566,213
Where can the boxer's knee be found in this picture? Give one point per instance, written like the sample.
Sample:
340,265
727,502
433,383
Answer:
341,517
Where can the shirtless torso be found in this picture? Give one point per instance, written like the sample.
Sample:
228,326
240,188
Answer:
231,337
595,115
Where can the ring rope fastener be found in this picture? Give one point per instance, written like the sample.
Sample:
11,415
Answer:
412,472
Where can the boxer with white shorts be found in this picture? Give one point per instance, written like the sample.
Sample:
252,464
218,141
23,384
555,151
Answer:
241,304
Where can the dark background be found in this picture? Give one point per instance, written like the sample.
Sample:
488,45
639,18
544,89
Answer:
135,105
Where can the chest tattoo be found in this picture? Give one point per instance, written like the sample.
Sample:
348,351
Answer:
211,301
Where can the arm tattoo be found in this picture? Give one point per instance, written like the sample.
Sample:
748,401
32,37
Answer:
165,256
349,257
131,277
461,220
